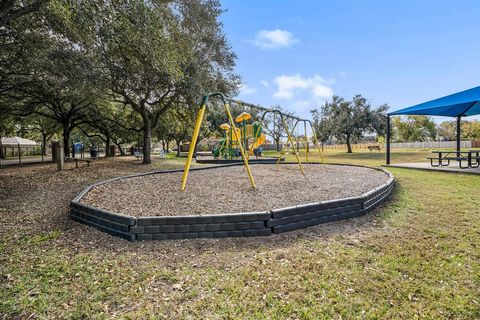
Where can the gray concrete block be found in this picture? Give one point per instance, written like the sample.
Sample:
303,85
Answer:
102,222
257,232
128,236
313,215
144,237
313,222
103,214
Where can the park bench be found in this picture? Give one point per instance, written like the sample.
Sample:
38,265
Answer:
77,160
371,148
138,155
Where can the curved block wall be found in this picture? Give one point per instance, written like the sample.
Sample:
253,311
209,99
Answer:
246,224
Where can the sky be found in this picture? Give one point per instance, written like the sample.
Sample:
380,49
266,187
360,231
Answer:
297,54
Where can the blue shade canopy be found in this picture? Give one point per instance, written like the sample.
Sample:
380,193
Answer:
465,103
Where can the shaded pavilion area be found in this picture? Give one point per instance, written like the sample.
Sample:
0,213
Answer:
458,105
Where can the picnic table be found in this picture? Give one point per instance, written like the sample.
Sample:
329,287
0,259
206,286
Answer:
443,158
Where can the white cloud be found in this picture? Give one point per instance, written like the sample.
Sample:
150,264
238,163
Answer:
246,90
289,86
265,83
303,93
274,39
322,91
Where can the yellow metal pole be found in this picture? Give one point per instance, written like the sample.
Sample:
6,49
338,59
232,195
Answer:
318,145
198,124
281,154
293,146
242,151
306,141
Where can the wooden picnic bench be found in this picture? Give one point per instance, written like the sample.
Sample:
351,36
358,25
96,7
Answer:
77,160
371,148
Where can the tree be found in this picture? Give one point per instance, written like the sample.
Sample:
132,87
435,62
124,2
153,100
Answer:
146,55
180,122
7,126
320,125
349,120
11,10
111,123
471,130
52,78
274,126
64,91
156,54
22,42
39,128
414,128
447,130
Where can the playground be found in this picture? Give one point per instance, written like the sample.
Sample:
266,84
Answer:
279,197
209,159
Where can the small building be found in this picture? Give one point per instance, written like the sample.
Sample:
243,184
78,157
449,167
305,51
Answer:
11,146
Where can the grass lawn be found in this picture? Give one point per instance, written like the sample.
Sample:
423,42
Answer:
417,256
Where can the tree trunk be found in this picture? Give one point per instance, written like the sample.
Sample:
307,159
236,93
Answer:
277,144
107,147
44,144
122,152
178,147
163,145
147,135
349,146
66,139
168,145
2,156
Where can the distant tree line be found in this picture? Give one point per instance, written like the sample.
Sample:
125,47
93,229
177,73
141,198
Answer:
423,128
349,121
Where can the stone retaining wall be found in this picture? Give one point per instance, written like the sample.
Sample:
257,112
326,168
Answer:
245,224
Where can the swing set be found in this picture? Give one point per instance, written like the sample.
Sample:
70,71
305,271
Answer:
236,133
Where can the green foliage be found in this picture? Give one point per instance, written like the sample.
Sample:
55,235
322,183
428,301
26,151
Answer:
447,130
7,125
177,124
53,78
157,54
321,125
422,128
471,130
147,56
348,121
414,128
11,10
